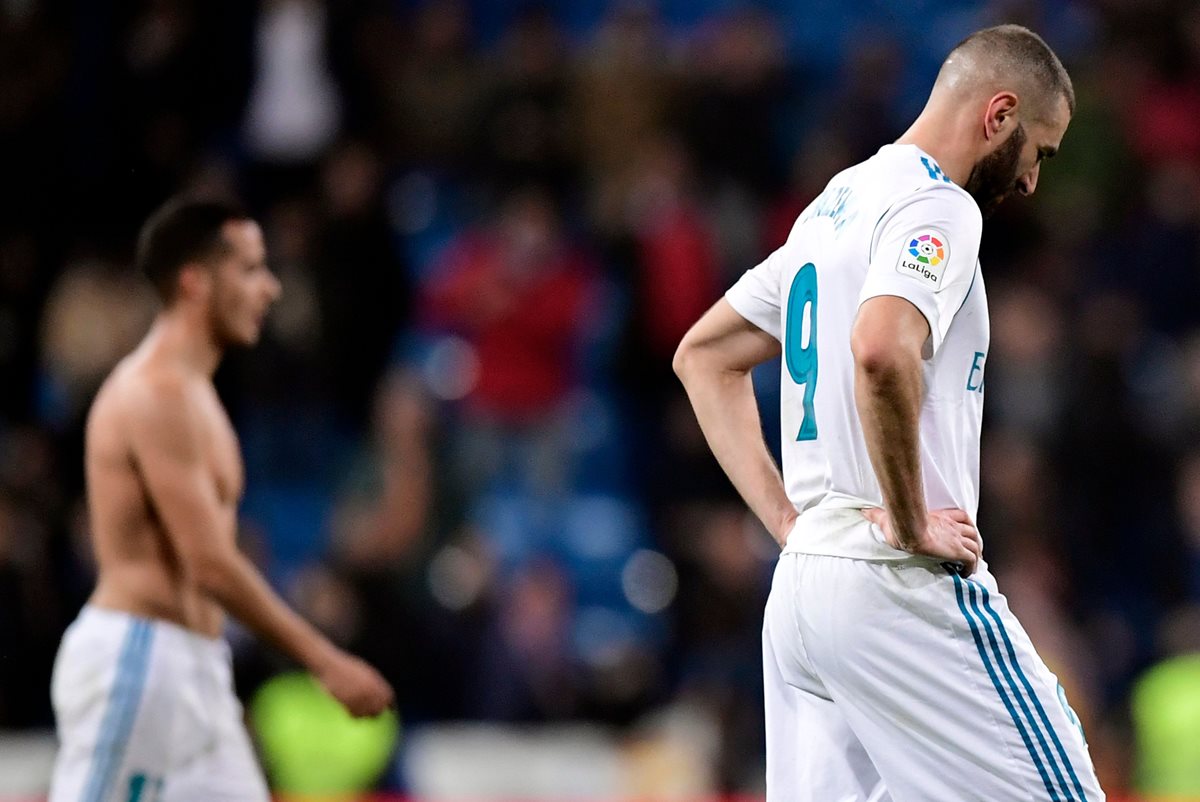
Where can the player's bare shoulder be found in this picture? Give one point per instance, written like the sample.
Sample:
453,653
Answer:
150,407
133,395
107,436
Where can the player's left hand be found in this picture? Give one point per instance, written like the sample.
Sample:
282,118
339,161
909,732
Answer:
950,536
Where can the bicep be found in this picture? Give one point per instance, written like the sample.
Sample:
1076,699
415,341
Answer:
725,340
180,487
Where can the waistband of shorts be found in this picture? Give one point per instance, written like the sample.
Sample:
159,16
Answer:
836,527
167,631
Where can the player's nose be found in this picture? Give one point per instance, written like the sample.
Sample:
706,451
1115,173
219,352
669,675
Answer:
1028,182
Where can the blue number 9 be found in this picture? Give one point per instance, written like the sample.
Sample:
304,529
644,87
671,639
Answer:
801,357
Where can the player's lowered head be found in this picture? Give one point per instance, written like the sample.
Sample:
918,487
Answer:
208,263
1000,105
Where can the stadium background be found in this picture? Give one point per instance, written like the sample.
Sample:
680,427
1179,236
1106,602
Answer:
467,457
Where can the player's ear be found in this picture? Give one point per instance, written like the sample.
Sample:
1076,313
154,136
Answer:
1000,114
195,280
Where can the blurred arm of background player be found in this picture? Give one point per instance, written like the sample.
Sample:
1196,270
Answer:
713,362
167,439
888,337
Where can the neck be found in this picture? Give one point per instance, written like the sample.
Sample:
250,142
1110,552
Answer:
942,137
184,337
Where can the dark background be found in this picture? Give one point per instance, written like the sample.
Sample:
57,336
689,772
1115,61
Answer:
467,456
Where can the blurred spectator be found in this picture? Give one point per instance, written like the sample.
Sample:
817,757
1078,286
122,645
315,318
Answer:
387,508
1188,506
720,622
414,613
294,108
172,100
623,95
674,261
1026,373
1119,491
528,664
278,372
867,114
362,289
735,92
432,88
95,315
517,292
819,157
1165,116
526,129
23,284
32,601
35,62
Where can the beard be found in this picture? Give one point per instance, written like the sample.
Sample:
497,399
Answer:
223,325
224,334
994,178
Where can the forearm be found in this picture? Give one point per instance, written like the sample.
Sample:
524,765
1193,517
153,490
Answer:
888,397
728,415
234,583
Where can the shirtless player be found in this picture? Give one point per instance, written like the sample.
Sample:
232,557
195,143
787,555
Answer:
142,686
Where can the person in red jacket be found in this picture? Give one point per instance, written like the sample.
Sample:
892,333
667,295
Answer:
516,291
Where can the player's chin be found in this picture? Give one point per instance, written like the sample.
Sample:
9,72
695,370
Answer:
991,206
248,336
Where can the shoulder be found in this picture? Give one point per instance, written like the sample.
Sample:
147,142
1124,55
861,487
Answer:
159,407
956,200
942,205
906,176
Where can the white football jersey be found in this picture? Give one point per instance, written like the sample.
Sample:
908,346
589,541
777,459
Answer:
892,225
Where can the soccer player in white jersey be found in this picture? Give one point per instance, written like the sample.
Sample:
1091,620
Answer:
894,669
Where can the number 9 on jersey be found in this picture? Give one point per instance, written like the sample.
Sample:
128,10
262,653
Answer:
799,351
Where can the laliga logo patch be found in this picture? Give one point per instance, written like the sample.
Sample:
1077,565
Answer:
924,257
927,249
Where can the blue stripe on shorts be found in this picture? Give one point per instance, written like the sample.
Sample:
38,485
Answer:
1004,695
132,667
1012,656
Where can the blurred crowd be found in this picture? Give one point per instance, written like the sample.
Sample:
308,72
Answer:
467,457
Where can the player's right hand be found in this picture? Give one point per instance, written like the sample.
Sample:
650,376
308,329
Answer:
949,536
359,687
785,527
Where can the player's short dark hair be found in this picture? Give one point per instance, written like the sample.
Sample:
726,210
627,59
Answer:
182,230
1018,51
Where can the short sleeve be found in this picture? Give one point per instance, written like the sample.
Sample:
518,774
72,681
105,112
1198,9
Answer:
755,296
925,250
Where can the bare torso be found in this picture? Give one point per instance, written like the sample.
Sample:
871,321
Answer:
138,569
164,473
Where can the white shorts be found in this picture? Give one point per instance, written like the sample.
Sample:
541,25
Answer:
901,681
146,713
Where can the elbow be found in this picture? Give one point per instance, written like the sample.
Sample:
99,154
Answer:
693,361
209,571
877,358
874,362
887,343
683,360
